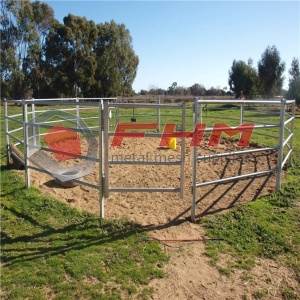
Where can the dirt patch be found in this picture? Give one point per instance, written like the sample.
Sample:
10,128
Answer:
166,215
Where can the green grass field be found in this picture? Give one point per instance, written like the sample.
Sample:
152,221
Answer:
51,251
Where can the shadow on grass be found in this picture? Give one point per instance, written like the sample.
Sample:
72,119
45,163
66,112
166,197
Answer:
34,226
5,168
52,242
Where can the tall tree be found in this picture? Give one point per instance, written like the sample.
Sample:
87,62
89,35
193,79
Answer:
197,90
70,56
172,88
270,70
294,71
23,25
243,79
15,36
294,83
116,60
43,20
7,61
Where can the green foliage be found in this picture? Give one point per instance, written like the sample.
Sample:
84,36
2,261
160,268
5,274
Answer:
23,29
294,91
197,90
270,70
43,58
294,71
294,85
116,61
243,80
70,58
172,88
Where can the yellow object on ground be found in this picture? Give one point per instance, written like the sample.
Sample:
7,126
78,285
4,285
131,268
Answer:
172,143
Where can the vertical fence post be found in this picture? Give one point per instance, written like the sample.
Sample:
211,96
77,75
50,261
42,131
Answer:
242,113
6,131
77,115
117,113
280,142
101,198
34,135
183,117
292,130
194,168
106,147
25,142
200,113
158,114
241,116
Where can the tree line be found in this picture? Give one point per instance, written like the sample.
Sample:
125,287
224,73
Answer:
267,80
42,58
194,90
245,81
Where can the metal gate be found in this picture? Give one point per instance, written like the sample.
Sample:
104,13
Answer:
104,141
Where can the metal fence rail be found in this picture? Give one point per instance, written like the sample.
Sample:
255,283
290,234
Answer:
27,136
272,121
284,137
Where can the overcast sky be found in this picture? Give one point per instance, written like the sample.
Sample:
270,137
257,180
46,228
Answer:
192,42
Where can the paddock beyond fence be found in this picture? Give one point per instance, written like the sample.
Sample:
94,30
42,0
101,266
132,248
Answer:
96,121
